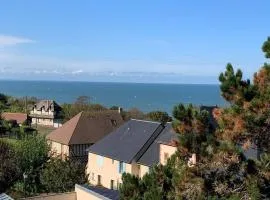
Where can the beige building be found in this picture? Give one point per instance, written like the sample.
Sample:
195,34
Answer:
81,192
82,131
133,148
46,113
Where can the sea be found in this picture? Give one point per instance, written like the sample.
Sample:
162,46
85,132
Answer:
144,96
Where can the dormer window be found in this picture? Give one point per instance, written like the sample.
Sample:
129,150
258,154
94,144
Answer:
114,123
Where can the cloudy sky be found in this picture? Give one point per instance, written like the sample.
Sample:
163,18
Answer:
131,41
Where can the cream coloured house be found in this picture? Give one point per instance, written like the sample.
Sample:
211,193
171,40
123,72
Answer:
46,113
133,148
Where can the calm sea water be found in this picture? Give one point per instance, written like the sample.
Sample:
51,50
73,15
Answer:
146,97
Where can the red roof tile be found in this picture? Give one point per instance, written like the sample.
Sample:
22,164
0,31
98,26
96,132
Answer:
19,117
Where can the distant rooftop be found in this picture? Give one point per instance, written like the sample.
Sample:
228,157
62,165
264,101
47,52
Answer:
19,117
47,104
86,127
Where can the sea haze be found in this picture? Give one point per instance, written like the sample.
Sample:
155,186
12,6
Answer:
146,97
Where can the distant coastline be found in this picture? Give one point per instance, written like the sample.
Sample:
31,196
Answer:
144,96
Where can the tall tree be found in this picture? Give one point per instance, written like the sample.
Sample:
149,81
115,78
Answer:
266,48
192,124
222,171
158,116
32,153
8,166
248,118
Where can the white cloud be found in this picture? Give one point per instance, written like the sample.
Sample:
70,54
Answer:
16,63
77,72
7,40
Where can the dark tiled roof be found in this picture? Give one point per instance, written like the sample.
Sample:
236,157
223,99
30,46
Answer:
168,135
46,104
19,117
87,128
103,192
253,152
129,142
151,156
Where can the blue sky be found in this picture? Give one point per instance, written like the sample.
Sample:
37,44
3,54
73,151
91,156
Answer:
131,41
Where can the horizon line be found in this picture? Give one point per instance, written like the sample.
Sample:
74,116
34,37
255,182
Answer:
124,82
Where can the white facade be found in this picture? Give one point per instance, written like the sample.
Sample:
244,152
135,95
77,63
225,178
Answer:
45,118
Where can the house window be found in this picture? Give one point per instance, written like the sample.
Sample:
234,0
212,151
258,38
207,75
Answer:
100,161
112,184
99,180
112,161
122,167
166,156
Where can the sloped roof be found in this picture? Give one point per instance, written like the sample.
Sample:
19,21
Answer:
151,155
100,192
19,117
168,135
129,142
46,104
86,128
4,196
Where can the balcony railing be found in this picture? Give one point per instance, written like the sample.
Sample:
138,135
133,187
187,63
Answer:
45,116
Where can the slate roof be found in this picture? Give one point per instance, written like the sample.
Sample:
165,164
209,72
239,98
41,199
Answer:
103,193
129,142
4,196
86,127
168,135
151,156
19,117
47,104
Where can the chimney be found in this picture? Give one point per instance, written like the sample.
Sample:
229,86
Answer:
119,110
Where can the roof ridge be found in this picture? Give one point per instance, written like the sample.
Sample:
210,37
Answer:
13,113
142,120
57,135
79,117
149,142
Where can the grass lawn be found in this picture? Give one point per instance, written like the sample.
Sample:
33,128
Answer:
44,130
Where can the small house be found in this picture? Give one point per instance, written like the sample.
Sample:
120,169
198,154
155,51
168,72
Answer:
46,113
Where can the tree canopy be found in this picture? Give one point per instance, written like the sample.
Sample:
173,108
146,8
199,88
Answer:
8,166
248,117
61,175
